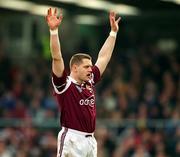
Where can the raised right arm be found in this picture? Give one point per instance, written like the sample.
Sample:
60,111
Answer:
57,61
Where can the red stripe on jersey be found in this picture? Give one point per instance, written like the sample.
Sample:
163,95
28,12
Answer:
62,141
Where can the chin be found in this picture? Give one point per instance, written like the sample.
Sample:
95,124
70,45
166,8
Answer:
87,79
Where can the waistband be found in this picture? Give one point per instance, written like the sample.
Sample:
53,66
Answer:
86,134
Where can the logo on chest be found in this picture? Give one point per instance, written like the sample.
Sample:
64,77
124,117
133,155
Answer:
84,88
90,101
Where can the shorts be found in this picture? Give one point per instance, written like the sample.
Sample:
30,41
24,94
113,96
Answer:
73,143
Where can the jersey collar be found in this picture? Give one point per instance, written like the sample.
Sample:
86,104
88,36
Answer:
73,80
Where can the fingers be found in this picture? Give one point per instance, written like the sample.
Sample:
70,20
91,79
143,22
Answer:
60,19
49,12
118,20
114,21
55,12
52,18
112,14
60,16
112,17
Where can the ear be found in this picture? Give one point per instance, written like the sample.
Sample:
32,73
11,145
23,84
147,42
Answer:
74,67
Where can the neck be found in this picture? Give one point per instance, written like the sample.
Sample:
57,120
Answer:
72,75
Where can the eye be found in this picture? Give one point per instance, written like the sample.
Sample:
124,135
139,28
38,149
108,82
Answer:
87,66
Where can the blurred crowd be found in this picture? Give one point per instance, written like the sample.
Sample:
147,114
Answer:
141,85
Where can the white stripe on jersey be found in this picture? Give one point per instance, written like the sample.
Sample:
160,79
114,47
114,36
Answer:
65,88
68,83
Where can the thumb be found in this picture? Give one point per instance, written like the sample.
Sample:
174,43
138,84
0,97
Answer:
118,20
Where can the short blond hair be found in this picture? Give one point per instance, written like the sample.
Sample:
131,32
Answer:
77,58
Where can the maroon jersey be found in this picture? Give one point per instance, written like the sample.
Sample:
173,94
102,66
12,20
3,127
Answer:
77,102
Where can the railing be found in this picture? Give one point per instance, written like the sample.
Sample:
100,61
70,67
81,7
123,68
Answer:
54,123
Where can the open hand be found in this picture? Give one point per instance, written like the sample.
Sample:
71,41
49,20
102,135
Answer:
113,22
52,19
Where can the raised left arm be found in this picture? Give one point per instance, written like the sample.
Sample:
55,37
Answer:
106,51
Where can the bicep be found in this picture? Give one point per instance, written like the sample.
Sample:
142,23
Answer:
59,83
58,67
101,63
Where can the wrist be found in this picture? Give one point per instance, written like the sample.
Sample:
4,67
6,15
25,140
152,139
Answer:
54,31
113,33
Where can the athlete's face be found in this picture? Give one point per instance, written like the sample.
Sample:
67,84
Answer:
84,70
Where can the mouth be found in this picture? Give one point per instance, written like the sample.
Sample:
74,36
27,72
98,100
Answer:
89,75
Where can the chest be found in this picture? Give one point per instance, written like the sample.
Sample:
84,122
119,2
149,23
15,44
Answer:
85,90
79,96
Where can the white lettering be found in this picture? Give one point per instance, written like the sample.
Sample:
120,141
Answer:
89,101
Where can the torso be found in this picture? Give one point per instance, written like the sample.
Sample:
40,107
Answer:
77,105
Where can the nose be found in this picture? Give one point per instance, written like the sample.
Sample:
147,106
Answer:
90,69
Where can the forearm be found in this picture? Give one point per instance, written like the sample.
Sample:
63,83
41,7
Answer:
55,46
57,60
107,49
106,52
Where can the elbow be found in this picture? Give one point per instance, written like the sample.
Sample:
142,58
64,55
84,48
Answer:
56,58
